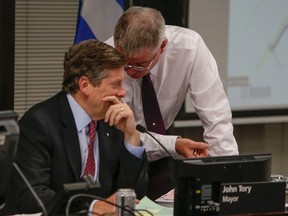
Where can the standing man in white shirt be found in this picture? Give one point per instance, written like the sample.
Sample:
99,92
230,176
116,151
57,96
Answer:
178,62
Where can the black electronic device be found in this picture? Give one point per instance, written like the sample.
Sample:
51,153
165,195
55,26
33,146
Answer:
9,135
198,181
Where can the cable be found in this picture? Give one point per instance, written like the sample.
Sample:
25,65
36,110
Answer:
94,197
39,201
144,210
142,129
2,205
104,200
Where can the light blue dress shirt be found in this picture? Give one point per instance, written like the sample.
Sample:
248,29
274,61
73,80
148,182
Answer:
82,121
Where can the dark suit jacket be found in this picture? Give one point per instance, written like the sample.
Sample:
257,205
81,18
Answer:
49,155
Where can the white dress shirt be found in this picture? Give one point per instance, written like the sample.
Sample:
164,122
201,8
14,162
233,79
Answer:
186,66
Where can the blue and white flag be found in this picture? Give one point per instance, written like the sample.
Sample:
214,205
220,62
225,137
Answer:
97,19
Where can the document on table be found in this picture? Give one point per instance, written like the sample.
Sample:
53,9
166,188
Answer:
154,208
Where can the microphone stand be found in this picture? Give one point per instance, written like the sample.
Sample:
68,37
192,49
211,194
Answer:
142,129
36,197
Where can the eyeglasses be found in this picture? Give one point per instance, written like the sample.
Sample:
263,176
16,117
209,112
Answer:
139,68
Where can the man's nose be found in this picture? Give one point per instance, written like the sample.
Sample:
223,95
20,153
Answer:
122,92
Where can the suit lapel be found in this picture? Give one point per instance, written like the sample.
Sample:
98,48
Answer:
70,136
105,150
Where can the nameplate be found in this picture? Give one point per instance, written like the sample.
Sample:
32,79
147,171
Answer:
254,197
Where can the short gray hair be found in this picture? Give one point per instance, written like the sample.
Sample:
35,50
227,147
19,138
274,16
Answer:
139,28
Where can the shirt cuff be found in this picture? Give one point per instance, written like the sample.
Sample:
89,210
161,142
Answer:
154,150
90,212
137,151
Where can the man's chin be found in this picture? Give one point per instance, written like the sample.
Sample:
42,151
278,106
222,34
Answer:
136,76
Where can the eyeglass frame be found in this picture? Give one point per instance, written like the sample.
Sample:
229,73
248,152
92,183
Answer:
139,68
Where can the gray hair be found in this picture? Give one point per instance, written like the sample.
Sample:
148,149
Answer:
139,28
90,58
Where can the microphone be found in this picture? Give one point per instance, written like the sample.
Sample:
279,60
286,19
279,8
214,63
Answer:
82,186
142,129
36,197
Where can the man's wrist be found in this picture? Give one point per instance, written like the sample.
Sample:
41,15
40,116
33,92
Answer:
133,138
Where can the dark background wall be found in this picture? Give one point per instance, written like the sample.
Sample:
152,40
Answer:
175,12
7,8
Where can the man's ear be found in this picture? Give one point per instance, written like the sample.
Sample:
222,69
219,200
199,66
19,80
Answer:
84,85
163,45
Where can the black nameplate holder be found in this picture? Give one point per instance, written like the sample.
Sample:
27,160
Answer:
252,198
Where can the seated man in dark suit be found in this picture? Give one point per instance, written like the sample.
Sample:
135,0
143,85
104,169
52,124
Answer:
54,146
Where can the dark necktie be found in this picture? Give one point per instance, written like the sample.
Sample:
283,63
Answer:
159,182
90,163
